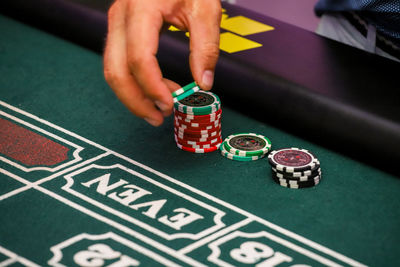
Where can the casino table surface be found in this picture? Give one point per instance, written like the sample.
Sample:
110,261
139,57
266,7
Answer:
75,148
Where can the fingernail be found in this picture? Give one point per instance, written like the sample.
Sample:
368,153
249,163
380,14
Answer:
161,106
151,121
208,79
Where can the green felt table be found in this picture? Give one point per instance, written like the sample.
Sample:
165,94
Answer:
189,209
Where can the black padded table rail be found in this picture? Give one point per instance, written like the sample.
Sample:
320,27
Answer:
319,89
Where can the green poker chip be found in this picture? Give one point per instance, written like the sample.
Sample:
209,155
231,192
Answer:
199,103
182,90
247,144
231,156
186,94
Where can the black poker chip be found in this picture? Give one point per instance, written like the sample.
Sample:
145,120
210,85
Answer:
303,177
295,168
297,184
293,160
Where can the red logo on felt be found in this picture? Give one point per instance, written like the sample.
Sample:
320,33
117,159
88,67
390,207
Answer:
29,148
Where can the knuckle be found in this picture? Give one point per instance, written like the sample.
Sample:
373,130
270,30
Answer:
141,107
112,78
137,60
210,51
154,93
136,111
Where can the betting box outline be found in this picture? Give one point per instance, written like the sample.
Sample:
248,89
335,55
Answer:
217,218
75,154
58,254
14,258
215,251
144,238
99,217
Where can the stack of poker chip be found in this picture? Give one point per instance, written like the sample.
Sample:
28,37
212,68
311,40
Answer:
197,120
295,168
245,147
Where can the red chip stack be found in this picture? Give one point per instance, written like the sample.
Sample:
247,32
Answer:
197,122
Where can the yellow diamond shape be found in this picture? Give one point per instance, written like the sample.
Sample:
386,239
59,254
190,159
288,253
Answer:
173,29
232,43
244,26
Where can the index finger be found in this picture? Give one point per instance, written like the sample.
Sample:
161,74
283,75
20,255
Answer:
143,29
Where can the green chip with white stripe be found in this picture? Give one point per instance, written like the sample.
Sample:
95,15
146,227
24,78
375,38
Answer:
186,94
184,89
199,103
231,156
247,144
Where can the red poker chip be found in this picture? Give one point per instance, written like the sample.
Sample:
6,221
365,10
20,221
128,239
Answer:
198,117
207,117
214,134
209,128
208,146
198,145
183,131
184,141
198,150
197,124
196,139
196,132
208,120
204,137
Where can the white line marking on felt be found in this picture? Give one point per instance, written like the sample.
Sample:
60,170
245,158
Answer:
121,227
16,177
217,218
72,168
101,218
214,246
57,249
15,192
209,238
27,185
18,258
7,262
275,227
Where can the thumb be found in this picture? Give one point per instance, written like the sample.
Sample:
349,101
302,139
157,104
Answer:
204,43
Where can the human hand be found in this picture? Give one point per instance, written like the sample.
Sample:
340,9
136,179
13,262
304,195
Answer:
130,64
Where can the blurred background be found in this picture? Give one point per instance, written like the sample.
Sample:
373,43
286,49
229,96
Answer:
296,12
